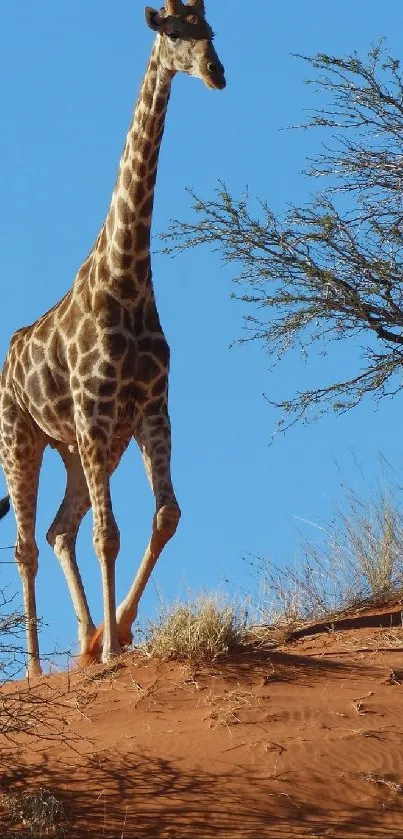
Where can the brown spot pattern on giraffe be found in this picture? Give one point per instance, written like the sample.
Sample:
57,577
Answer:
126,287
145,344
126,215
142,268
147,206
120,261
161,350
34,389
107,388
138,193
108,310
106,408
53,383
88,362
123,239
115,345
64,407
71,320
111,220
147,368
127,177
160,386
151,318
129,369
153,159
142,237
154,408
92,385
72,355
139,168
36,353
107,370
146,149
87,336
147,98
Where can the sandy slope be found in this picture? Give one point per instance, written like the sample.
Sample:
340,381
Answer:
302,741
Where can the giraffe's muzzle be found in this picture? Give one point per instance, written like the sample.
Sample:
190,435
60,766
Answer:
215,76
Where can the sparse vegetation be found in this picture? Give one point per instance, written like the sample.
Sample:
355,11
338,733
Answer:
194,631
40,813
381,780
356,559
12,629
227,709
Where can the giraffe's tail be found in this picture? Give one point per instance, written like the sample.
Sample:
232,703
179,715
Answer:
93,649
4,506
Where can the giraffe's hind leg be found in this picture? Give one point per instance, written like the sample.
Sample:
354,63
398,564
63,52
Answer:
154,440
62,536
22,446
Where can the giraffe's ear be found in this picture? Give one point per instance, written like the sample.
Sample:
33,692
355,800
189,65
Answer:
153,18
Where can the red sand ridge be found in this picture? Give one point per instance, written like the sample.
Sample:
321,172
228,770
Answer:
299,741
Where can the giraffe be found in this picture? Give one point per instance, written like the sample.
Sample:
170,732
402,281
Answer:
92,372
4,506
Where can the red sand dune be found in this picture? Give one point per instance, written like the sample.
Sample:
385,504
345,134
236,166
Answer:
305,740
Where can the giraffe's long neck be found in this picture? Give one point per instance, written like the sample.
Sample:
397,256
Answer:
124,242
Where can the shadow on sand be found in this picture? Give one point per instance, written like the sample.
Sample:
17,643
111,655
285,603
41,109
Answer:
134,796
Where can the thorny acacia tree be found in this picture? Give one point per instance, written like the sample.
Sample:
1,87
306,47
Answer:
332,269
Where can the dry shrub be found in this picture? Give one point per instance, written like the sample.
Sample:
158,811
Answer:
203,629
356,559
226,709
40,813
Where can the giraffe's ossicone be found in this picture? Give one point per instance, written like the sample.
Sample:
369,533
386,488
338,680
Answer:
92,373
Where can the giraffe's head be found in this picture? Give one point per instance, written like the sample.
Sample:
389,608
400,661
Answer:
187,41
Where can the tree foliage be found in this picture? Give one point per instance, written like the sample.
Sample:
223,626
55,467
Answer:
331,269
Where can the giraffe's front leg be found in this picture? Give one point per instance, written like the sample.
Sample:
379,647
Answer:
94,454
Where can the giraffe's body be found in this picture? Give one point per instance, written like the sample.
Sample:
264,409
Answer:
93,371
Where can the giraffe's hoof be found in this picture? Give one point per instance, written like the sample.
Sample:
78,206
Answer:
93,650
110,655
125,637
34,671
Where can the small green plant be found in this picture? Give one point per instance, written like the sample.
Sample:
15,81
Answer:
40,812
203,629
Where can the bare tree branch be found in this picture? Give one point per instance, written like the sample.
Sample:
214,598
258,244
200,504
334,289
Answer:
322,273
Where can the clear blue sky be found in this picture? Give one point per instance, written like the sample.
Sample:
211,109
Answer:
70,76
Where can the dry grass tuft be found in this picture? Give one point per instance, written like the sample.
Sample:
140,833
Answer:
382,780
201,630
227,709
40,812
357,559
